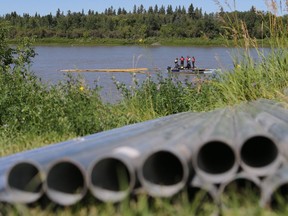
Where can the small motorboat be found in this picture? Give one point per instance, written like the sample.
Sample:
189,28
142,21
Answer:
184,70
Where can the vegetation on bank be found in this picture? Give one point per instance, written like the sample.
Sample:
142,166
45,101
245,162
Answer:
33,114
158,25
140,24
188,42
56,41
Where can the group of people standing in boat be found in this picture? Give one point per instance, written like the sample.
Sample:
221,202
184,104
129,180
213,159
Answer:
188,62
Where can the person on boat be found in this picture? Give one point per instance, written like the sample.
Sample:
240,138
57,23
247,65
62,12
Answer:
193,62
176,63
182,62
188,61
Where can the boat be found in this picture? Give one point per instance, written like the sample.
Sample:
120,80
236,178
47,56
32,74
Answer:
184,70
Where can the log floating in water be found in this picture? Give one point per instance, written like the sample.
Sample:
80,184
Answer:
129,70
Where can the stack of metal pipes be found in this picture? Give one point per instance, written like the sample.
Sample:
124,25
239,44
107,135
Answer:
241,146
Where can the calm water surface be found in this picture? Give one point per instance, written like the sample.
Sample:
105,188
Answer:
50,60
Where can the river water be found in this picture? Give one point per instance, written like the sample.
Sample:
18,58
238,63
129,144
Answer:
50,60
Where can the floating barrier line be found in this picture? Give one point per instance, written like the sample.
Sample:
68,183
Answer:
127,70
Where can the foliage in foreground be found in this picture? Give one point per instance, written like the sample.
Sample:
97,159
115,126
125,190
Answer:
143,205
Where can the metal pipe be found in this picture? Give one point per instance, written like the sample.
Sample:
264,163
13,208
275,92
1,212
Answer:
207,190
239,187
274,108
257,149
200,193
65,183
112,178
274,189
270,102
24,183
165,172
273,117
215,158
277,128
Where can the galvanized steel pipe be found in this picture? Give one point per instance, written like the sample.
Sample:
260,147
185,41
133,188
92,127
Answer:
65,182
258,150
278,128
275,189
199,186
243,184
112,179
214,157
274,108
23,183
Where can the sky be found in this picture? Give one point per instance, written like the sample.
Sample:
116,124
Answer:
44,7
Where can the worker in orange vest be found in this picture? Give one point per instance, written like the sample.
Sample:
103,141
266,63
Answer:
182,61
193,62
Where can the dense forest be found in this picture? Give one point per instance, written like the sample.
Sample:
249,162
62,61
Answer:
141,23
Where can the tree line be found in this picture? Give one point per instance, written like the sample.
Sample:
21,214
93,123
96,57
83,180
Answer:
140,23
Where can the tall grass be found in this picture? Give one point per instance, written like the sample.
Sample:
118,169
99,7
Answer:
264,77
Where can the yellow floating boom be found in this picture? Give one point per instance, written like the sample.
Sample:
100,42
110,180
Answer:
128,70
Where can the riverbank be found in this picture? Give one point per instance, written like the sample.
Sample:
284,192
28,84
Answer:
199,42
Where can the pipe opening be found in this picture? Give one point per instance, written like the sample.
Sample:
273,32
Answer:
242,187
216,157
279,198
259,151
202,201
199,195
111,174
66,177
25,177
163,168
238,190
